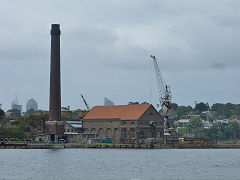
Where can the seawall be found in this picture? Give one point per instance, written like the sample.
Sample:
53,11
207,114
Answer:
116,146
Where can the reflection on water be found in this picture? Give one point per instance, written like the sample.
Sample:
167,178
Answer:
120,164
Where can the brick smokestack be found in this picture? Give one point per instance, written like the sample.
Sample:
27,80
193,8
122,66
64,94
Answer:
54,126
55,84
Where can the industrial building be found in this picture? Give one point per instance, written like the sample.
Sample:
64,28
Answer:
73,127
125,123
120,124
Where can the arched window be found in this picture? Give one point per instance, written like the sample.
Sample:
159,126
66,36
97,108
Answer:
109,133
132,131
116,136
124,133
141,135
101,132
94,131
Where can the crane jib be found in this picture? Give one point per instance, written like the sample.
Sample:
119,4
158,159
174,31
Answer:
163,90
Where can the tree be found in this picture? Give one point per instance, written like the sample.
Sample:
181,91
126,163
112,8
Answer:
29,112
182,132
182,111
15,113
132,103
233,130
24,127
194,123
194,126
226,110
220,135
236,113
174,106
2,114
9,132
200,107
64,108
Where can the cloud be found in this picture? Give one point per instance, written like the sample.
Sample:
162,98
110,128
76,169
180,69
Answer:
218,65
192,40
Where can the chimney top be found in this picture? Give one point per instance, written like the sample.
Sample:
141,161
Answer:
55,29
55,26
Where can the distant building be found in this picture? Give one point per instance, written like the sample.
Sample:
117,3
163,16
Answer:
73,127
207,124
17,107
181,123
15,104
222,121
108,102
236,120
32,104
189,116
125,123
8,115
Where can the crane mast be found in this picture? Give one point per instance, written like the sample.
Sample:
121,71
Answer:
165,98
164,91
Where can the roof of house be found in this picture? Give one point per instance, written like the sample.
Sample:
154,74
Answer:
123,112
183,120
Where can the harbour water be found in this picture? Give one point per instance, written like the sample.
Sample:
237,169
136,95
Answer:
132,164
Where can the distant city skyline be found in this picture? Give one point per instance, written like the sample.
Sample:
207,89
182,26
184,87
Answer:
108,102
105,49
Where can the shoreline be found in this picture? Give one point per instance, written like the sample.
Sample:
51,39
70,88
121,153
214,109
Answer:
116,146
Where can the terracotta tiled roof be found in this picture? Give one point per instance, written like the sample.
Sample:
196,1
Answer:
124,112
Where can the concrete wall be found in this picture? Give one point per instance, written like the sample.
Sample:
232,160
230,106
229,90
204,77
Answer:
79,138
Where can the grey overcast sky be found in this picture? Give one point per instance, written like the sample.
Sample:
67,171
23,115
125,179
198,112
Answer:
105,49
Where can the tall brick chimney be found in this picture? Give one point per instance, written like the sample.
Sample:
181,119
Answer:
54,126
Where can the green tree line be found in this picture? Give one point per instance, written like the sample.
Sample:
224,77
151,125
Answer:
219,110
218,131
22,128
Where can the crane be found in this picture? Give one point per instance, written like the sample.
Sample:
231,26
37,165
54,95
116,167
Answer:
85,102
164,93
